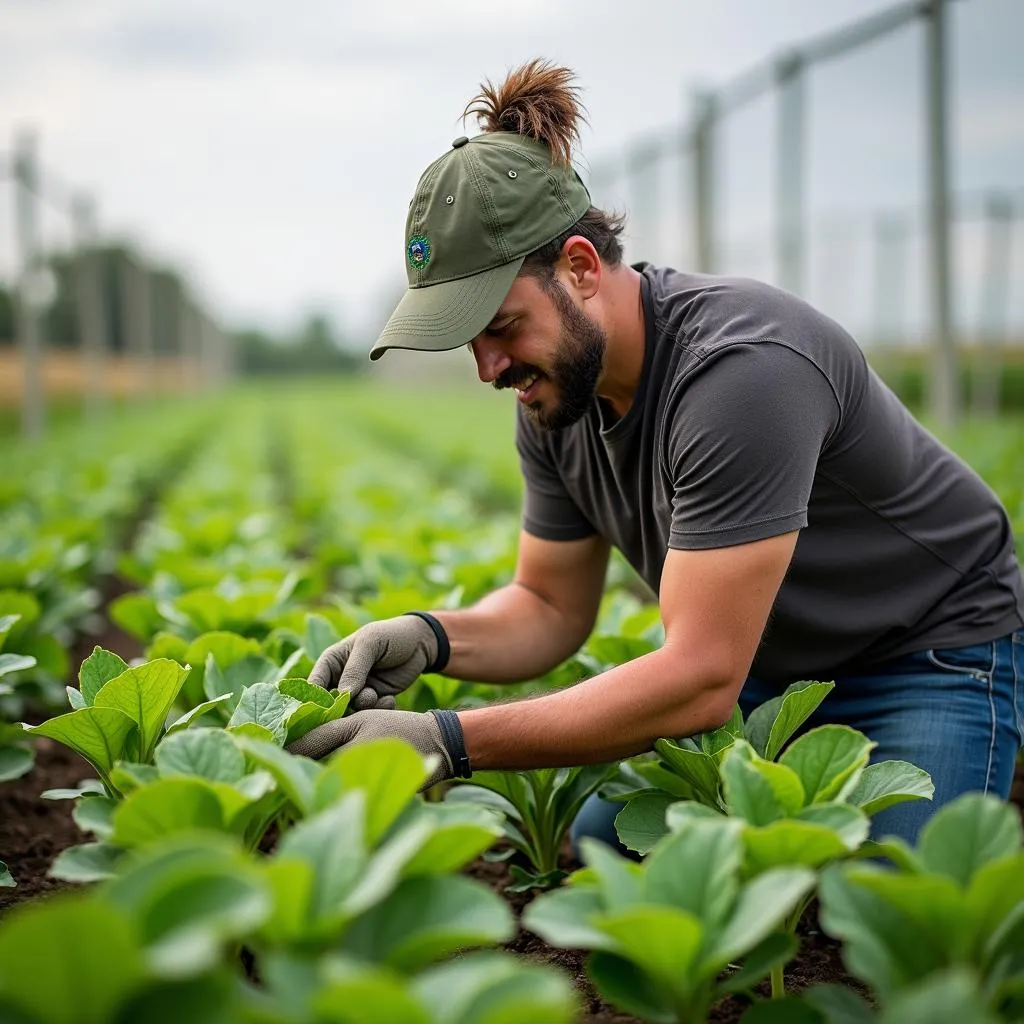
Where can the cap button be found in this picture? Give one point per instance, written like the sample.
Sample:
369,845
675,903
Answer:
460,141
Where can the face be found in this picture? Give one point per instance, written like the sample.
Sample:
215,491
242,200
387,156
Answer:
544,346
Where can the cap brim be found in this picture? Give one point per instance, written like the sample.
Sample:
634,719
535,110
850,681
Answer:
446,315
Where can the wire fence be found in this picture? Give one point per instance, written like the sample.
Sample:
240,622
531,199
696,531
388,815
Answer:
939,274
135,325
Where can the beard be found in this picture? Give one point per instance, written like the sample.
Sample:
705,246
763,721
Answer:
575,370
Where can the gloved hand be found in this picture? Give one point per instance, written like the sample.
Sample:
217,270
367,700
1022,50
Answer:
423,730
379,660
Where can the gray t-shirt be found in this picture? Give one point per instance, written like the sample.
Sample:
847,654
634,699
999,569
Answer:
757,415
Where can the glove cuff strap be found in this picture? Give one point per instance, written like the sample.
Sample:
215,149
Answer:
444,649
454,741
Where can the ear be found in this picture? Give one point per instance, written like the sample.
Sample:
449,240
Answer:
581,266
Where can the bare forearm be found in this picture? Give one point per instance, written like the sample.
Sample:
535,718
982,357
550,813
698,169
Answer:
509,636
614,715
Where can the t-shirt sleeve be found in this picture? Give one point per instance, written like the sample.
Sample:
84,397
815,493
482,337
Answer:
548,510
743,441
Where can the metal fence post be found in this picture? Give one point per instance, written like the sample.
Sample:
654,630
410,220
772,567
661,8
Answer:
702,195
945,385
995,296
28,327
93,329
790,163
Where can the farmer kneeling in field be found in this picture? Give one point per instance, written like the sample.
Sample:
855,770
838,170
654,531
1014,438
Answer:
794,519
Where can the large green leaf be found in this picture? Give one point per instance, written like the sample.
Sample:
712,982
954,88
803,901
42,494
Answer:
15,760
11,663
696,870
458,834
98,669
208,753
70,960
565,918
136,614
319,635
428,918
828,761
664,941
996,894
165,807
698,769
99,734
362,994
790,842
748,793
263,704
333,843
849,823
887,783
195,714
641,823
145,694
233,680
619,881
770,725
297,776
968,833
882,945
389,771
96,814
494,988
191,896
87,862
952,996
760,908
625,984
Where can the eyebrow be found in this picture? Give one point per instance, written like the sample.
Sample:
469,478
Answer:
502,314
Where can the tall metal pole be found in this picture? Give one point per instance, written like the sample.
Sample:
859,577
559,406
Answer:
28,328
703,198
945,386
790,163
136,296
995,297
890,278
93,328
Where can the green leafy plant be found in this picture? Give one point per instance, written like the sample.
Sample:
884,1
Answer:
118,712
537,808
345,921
815,791
662,933
957,901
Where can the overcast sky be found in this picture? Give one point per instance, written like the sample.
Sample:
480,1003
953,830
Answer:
271,149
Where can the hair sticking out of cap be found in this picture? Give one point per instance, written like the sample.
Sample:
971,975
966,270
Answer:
534,100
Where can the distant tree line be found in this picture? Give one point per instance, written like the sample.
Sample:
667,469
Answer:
315,347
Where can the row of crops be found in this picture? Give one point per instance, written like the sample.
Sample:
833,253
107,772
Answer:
221,877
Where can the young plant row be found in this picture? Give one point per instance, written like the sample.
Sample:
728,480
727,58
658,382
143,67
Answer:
711,911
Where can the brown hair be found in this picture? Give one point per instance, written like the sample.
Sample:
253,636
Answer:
539,101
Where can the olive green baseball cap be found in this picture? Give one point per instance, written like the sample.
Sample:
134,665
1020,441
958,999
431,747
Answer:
478,211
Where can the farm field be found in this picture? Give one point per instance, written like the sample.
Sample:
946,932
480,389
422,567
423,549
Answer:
167,579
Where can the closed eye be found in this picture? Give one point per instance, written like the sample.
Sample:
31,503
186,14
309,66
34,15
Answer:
503,331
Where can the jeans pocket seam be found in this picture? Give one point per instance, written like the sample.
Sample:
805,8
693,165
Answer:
984,675
1018,707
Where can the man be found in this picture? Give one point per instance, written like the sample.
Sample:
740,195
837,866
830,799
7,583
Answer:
731,441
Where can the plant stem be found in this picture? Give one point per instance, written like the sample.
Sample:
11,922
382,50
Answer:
778,982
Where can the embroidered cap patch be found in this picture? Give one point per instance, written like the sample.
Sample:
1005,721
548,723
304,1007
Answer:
418,252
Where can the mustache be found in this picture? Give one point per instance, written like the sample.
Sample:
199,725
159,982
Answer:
516,375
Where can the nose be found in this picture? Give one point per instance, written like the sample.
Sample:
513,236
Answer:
491,361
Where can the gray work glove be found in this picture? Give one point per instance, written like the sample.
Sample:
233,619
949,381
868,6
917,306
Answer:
378,661
420,729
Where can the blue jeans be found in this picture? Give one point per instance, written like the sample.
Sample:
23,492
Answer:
957,713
